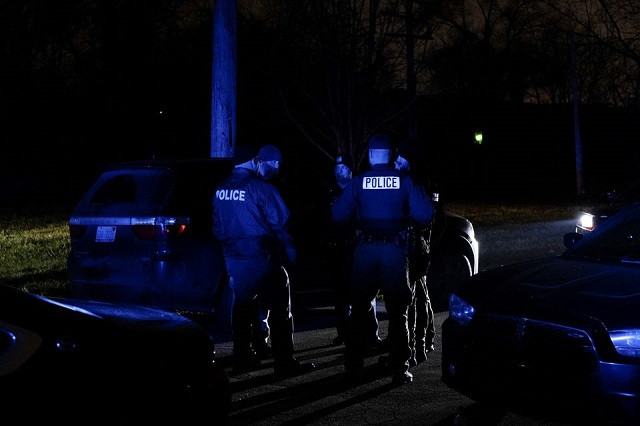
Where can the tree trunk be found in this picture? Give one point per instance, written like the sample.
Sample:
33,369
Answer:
575,101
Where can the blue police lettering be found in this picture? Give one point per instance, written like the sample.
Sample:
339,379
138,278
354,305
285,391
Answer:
230,194
381,182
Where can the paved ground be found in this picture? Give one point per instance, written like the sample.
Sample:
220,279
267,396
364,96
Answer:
319,398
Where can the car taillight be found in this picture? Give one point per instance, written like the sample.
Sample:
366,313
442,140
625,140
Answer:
145,232
161,228
175,230
76,231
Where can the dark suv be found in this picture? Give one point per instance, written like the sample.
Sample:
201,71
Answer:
606,205
142,234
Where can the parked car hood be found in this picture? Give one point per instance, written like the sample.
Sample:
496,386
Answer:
86,320
559,285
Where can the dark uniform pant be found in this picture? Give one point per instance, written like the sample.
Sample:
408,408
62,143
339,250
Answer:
379,266
421,322
252,278
341,262
260,326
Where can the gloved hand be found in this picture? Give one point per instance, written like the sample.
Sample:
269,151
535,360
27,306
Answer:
290,253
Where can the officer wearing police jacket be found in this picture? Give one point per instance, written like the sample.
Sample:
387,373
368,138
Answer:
342,240
250,220
383,201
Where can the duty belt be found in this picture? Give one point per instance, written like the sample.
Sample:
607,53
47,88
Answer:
397,238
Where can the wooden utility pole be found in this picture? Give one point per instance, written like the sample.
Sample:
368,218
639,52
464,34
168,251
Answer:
412,97
575,101
223,87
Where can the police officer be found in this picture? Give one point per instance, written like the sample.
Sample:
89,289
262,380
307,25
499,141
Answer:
384,201
421,320
270,158
250,219
268,168
342,243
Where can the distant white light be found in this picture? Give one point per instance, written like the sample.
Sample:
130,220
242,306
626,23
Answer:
477,138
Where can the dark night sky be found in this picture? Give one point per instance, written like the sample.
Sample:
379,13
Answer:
140,87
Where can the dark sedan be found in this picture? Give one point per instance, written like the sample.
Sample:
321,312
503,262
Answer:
83,362
560,333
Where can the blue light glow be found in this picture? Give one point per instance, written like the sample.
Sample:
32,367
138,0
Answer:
460,311
626,342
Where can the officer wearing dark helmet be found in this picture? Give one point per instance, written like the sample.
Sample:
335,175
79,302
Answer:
383,201
250,219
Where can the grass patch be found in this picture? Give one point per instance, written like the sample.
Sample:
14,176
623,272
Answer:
33,252
34,244
481,214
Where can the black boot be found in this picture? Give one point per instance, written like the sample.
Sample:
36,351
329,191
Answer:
290,366
245,361
263,349
284,363
401,377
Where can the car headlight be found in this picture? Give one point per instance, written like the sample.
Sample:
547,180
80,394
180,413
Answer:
17,345
586,221
459,310
626,342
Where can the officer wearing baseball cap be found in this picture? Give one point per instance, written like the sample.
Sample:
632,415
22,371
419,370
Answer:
383,202
269,157
250,219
